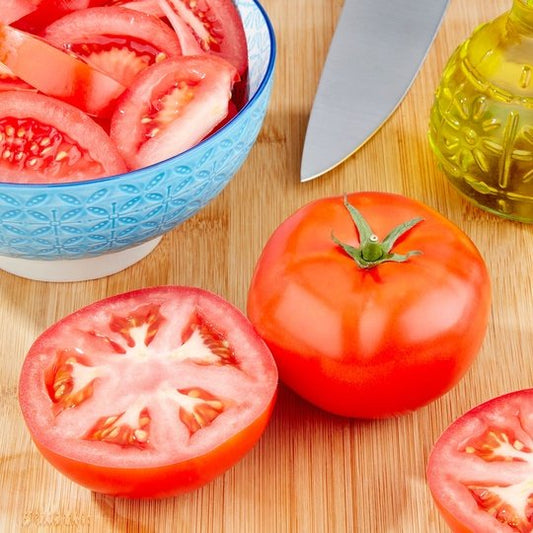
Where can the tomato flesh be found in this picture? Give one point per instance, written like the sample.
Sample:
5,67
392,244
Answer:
43,139
371,342
150,393
13,10
480,470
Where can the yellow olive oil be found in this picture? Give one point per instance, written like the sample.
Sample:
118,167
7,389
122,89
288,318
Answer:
481,122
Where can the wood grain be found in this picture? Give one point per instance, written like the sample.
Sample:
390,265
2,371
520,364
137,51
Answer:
310,472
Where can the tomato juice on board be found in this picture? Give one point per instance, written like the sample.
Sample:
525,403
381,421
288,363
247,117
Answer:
98,51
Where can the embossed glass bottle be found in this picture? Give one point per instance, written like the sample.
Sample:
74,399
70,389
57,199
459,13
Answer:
481,125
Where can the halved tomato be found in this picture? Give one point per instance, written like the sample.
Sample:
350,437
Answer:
45,140
118,41
149,393
213,26
170,107
480,471
57,73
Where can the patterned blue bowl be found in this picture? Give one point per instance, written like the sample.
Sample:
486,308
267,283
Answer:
90,229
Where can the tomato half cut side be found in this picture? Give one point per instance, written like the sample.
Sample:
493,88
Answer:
44,140
33,60
118,41
212,26
480,471
170,107
150,393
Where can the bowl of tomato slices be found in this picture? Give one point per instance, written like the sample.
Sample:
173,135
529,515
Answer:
119,120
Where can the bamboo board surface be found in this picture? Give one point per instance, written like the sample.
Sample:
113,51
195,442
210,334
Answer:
310,472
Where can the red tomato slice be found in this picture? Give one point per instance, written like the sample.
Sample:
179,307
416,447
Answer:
73,81
170,107
213,26
13,10
115,40
480,470
149,393
45,140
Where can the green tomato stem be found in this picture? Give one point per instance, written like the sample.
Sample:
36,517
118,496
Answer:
371,251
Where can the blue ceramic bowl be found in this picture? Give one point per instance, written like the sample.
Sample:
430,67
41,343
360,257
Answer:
84,230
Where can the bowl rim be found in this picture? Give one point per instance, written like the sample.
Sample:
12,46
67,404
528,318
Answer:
67,185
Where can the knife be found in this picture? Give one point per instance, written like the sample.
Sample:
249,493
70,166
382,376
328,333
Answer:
375,54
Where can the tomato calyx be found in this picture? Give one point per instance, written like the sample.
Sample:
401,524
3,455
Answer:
371,251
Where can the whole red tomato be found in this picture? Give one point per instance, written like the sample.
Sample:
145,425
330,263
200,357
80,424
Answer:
372,305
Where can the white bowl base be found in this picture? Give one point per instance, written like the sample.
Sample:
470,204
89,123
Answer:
77,269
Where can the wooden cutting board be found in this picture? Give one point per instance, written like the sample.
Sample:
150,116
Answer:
310,472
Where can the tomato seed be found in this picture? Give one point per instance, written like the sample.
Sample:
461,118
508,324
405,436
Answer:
140,435
46,151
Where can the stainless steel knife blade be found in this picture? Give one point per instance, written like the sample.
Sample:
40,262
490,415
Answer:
374,56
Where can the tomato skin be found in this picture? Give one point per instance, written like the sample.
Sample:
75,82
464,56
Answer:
376,342
489,449
146,350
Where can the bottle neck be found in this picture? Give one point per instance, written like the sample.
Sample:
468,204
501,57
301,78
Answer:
521,14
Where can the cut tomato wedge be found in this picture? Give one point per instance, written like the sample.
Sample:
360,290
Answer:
56,73
149,393
213,26
480,471
115,40
170,107
45,140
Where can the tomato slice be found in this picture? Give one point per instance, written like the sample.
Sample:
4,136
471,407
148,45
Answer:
57,73
170,107
480,471
149,393
45,140
115,40
213,26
